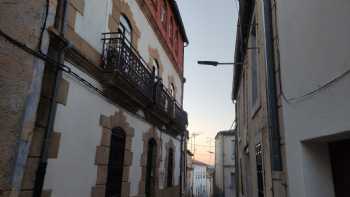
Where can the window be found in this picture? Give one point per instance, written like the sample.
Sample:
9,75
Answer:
241,176
170,168
155,65
254,70
172,90
125,28
115,163
170,29
163,12
232,180
259,169
176,45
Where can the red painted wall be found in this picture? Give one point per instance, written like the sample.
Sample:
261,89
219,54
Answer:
176,46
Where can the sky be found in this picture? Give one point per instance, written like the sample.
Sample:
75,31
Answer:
210,26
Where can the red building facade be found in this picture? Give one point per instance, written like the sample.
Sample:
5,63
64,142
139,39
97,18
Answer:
166,20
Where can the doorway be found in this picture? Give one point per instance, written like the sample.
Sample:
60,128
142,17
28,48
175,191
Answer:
116,163
340,160
151,168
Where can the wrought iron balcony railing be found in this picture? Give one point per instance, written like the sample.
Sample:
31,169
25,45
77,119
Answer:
121,58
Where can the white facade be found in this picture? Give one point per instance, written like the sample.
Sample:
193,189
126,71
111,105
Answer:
314,49
94,22
225,184
73,173
200,179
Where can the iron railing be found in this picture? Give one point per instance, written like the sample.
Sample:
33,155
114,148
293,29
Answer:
120,57
180,116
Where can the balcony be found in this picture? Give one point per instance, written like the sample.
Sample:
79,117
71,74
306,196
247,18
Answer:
128,77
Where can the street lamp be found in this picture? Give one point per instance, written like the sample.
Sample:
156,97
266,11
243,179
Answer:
216,63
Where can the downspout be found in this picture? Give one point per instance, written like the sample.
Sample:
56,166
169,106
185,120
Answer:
181,164
274,133
236,157
59,24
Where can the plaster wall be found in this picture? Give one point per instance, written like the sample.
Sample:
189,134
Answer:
94,22
314,49
74,172
229,178
20,85
200,180
219,170
224,162
229,150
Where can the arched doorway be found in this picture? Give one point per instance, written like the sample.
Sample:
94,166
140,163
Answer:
170,168
151,168
116,163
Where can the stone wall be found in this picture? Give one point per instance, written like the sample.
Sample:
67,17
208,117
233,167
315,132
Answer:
20,85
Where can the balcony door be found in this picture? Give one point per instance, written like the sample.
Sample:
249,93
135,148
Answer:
125,29
151,168
116,163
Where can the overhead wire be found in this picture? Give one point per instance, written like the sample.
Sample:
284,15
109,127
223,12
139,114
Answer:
43,26
291,100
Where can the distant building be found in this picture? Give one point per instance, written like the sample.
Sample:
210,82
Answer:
210,180
225,184
189,175
200,183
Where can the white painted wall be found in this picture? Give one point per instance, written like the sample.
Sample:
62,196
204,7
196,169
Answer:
314,49
94,22
200,180
225,163
74,172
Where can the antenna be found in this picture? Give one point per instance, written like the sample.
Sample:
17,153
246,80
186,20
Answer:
193,136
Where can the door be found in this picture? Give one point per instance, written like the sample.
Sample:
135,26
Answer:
115,164
151,168
340,159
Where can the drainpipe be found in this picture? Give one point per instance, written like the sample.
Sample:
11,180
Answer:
181,164
276,158
59,57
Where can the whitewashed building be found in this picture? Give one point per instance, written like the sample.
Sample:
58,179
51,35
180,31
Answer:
110,120
225,172
200,179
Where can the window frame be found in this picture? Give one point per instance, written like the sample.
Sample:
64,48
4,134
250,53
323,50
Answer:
170,168
156,67
164,13
125,29
254,70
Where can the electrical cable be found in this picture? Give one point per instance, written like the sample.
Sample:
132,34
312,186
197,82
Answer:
312,93
61,66
46,58
232,125
43,26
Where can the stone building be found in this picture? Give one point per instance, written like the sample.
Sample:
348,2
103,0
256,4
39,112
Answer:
225,178
95,94
291,82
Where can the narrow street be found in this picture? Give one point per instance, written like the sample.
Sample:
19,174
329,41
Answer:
174,98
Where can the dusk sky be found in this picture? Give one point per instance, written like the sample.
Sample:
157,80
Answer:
211,28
